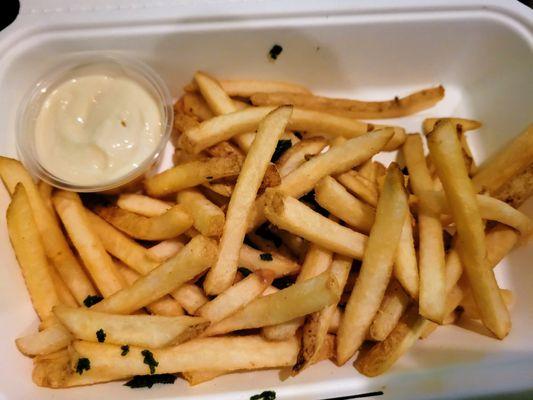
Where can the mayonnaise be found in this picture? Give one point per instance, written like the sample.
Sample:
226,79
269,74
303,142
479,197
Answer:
94,129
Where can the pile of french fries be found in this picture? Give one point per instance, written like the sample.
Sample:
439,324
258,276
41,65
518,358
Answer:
276,241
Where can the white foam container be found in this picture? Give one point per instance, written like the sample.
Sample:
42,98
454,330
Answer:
482,52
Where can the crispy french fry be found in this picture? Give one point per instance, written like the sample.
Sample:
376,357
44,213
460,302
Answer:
169,225
90,248
45,190
225,149
143,205
195,105
222,274
445,151
190,297
137,330
165,249
279,265
55,244
290,214
247,87
30,254
63,292
518,189
359,186
335,321
405,263
466,124
235,297
377,266
191,174
300,153
295,301
432,297
470,309
222,189
331,195
398,107
53,338
208,219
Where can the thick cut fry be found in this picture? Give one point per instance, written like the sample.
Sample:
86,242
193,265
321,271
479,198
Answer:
208,219
432,297
445,151
90,248
235,297
295,301
405,263
247,87
166,226
53,338
191,261
63,292
137,330
222,274
279,265
470,309
55,244
376,269
331,195
165,249
122,247
143,205
30,254
394,304
191,174
510,161
359,186
300,153
195,105
290,214
45,190
398,107
466,124
190,297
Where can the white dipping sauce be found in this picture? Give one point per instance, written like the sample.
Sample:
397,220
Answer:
97,128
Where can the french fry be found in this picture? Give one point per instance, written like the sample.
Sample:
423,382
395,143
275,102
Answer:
137,330
359,186
392,307
247,87
90,248
405,263
208,219
53,338
331,195
295,301
196,377
143,205
398,107
466,124
222,274
279,265
190,297
290,214
518,189
296,245
376,269
169,225
30,254
55,244
470,309
225,149
272,178
222,189
122,247
63,292
45,190
299,153
445,151
432,296
235,297
195,105
335,321
165,249
191,174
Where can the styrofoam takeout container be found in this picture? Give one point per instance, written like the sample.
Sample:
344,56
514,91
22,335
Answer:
482,52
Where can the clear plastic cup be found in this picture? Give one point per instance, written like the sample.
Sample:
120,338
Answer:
86,64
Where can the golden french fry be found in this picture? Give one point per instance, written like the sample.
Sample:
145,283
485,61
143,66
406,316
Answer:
195,105
335,321
30,254
225,149
53,338
292,302
466,124
405,263
432,290
208,219
376,269
222,189
196,377
359,186
55,244
296,245
290,214
190,297
143,205
165,249
518,189
169,225
45,190
331,195
470,309
63,292
138,330
256,260
247,87
90,248
222,274
300,153
398,107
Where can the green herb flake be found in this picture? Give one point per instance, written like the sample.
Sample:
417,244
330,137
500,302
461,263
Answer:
149,360
282,146
83,365
266,395
275,51
141,381
100,335
265,256
244,271
125,350
92,300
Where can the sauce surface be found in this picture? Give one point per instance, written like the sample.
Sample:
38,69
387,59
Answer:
95,129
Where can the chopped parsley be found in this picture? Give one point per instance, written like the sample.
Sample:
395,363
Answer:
405,171
283,282
140,381
149,360
125,350
100,335
275,51
265,256
266,395
83,365
92,300
282,146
